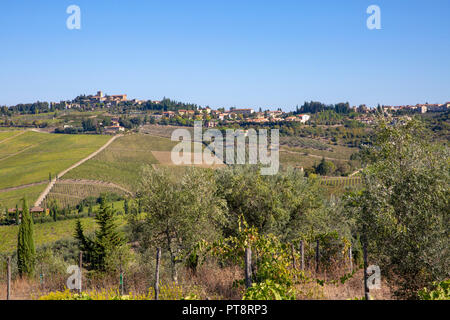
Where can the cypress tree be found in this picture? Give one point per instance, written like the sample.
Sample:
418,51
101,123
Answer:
25,243
17,215
107,238
125,206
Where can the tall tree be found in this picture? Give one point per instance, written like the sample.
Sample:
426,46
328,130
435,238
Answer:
273,204
180,211
17,215
107,241
25,243
403,209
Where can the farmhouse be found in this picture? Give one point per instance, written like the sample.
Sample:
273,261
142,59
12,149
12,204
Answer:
183,112
243,111
304,117
105,98
32,210
258,120
114,129
292,118
169,114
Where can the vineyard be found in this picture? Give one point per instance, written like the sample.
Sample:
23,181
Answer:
72,192
30,157
341,181
121,162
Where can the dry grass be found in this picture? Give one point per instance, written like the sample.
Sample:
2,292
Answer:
209,283
354,288
213,283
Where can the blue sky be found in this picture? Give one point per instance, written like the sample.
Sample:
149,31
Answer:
243,53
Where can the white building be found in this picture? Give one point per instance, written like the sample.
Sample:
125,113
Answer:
304,117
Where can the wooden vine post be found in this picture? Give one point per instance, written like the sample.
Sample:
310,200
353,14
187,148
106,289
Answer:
158,261
248,267
366,275
350,258
80,266
317,255
8,278
302,255
293,256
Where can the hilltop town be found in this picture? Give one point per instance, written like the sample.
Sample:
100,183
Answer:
125,113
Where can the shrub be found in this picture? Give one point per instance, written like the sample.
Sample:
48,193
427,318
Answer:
440,291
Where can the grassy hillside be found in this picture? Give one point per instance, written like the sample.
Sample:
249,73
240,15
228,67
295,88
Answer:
306,152
121,162
29,157
44,233
6,135
9,199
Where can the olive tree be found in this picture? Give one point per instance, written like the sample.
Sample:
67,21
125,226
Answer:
281,204
403,208
180,210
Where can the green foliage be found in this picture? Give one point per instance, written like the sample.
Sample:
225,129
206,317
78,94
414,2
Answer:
403,208
167,292
273,274
102,251
440,291
50,262
325,168
268,290
25,243
180,211
274,204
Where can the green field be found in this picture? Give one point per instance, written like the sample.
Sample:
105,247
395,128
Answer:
121,162
31,156
49,232
43,233
6,135
9,199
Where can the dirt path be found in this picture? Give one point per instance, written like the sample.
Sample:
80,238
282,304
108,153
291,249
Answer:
15,154
355,173
14,136
61,174
39,130
23,186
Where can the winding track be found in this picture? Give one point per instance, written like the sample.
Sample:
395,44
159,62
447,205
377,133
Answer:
52,183
23,186
12,137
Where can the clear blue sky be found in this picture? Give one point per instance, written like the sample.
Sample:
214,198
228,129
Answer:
242,53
